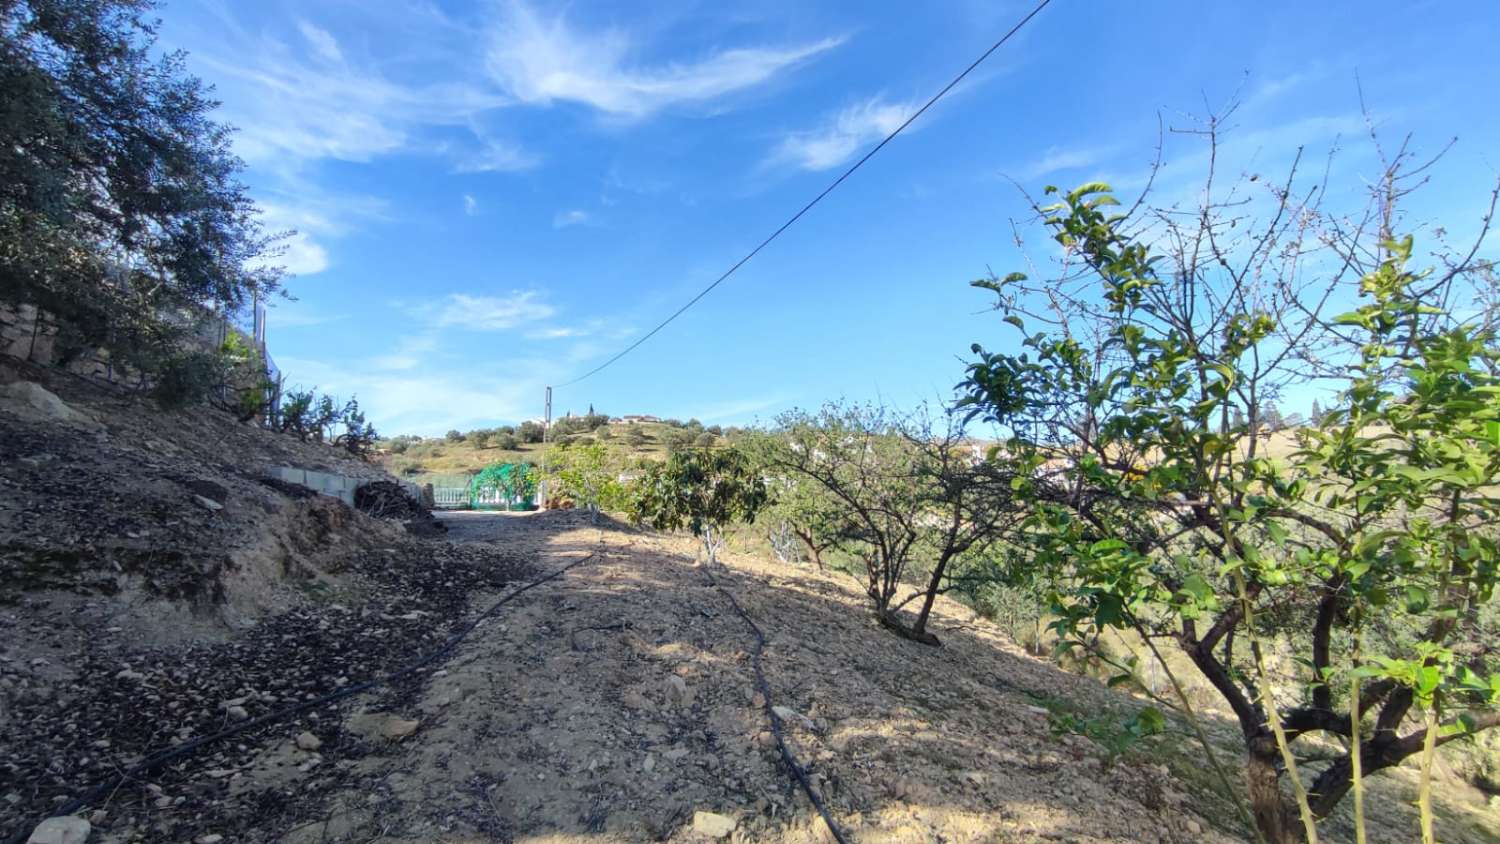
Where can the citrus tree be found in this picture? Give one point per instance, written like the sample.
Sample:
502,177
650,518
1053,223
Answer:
1366,549
703,490
589,473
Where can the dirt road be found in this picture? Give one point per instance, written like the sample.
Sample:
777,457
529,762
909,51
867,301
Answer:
618,705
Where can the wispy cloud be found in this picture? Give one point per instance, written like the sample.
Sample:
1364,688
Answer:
493,155
575,217
1056,160
408,354
321,41
842,134
487,313
471,205
315,216
538,60
423,401
297,316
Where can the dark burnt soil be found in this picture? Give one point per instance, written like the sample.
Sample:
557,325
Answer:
71,727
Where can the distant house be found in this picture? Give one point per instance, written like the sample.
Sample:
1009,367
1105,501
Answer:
639,418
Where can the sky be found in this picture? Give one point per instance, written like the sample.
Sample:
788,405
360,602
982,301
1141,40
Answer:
489,196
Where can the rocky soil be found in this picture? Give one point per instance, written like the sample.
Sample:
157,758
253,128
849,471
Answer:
152,591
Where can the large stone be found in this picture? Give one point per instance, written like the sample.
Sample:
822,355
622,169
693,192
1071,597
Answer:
33,402
307,741
713,824
62,830
384,725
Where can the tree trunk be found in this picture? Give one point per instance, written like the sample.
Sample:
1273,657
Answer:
812,548
1274,815
933,584
893,624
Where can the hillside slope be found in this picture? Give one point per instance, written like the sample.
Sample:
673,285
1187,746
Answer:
615,703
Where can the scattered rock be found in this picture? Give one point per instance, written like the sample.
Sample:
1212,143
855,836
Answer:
208,839
208,503
1193,827
63,830
238,713
790,715
384,725
713,824
678,691
307,741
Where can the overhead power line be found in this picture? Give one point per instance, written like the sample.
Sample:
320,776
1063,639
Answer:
819,198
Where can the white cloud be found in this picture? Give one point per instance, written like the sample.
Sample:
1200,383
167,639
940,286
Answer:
408,354
488,313
424,401
282,315
313,216
471,205
307,100
843,134
564,219
496,156
539,61
556,333
1055,160
321,41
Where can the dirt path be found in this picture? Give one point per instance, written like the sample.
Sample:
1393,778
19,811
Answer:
618,705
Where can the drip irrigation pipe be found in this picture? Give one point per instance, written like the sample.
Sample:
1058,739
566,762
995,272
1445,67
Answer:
787,757
156,760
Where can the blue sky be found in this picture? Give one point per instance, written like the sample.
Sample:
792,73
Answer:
493,196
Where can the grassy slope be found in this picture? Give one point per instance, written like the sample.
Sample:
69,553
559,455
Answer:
440,457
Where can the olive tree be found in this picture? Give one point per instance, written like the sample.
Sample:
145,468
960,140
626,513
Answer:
1366,550
121,206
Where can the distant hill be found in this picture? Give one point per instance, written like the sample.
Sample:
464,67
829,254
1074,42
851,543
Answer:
417,457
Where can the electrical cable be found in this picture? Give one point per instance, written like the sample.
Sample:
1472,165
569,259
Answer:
819,198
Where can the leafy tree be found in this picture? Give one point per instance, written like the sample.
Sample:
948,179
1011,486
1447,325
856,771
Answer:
703,490
1316,415
506,441
480,438
913,503
589,474
635,436
530,432
455,436
358,437
801,509
1369,552
678,439
705,440
121,209
320,418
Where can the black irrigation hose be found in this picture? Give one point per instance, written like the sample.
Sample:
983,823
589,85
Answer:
156,760
790,760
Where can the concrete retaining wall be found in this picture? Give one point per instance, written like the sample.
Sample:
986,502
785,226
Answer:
341,487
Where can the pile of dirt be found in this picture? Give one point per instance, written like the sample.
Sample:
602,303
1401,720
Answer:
390,500
137,511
